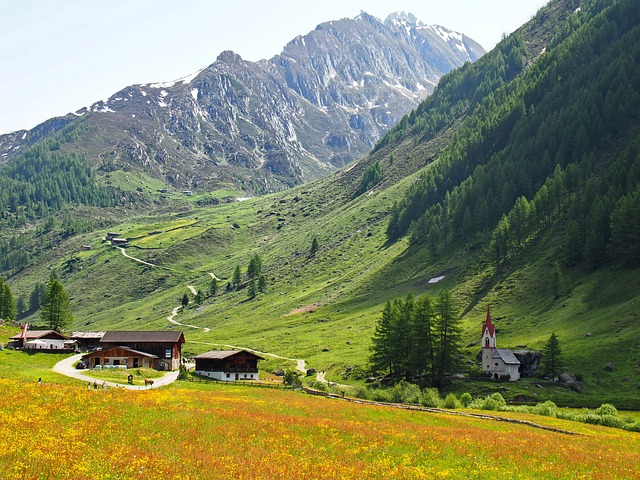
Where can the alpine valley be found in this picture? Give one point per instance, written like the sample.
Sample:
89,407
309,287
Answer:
514,182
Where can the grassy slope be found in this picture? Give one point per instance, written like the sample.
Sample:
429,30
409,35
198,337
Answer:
332,301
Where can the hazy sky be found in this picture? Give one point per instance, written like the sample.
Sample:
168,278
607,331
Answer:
57,56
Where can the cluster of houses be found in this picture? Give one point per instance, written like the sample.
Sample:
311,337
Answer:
160,350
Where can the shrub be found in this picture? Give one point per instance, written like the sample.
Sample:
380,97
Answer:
405,392
548,409
321,386
499,399
451,401
632,427
361,391
606,409
379,395
431,398
466,399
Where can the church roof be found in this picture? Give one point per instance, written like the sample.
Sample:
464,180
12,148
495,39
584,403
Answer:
506,356
488,325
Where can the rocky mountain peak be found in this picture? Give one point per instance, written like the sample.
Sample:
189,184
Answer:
403,19
268,125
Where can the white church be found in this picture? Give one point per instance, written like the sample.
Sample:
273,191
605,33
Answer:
497,361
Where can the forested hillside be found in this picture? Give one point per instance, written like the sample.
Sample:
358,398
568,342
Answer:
559,141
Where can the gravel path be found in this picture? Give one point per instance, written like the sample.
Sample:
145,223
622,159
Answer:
65,367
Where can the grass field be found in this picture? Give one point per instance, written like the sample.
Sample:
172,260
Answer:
54,431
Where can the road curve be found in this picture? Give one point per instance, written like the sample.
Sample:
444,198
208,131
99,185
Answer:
65,367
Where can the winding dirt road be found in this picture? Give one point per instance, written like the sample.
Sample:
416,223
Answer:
65,367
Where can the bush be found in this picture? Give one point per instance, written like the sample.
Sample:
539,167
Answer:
632,427
321,386
499,399
606,409
466,399
431,398
405,392
362,392
548,409
379,395
451,401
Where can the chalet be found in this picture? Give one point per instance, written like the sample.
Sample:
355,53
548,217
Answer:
166,346
121,356
499,362
228,365
86,247
118,241
47,340
112,235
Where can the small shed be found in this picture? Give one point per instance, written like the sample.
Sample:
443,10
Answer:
120,357
228,365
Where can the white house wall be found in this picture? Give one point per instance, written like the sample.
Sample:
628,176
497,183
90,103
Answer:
222,376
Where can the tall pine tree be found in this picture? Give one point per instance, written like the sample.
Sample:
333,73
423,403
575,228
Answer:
56,309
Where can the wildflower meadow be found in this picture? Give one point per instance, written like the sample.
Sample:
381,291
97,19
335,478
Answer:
188,431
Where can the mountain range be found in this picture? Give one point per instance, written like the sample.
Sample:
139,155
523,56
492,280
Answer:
272,124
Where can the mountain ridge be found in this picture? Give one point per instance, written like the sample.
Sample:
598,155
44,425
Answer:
267,125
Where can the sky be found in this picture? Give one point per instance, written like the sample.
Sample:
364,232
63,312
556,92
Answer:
59,56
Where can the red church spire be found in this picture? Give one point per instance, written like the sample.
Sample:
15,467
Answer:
488,325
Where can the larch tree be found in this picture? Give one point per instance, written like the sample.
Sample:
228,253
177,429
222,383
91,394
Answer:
552,357
56,309
448,335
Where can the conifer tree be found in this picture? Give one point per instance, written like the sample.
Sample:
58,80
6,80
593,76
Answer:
380,357
262,284
213,287
7,306
314,247
552,357
255,267
56,309
185,300
252,291
199,297
237,277
448,335
422,325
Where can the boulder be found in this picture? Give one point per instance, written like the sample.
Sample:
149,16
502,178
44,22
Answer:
570,381
311,372
609,367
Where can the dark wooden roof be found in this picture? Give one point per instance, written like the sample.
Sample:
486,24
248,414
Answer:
143,337
221,354
36,334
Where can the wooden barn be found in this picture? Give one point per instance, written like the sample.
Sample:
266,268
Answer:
41,340
120,357
166,346
228,365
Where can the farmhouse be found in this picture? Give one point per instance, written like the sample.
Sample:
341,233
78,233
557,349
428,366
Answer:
120,356
47,340
499,362
159,350
228,365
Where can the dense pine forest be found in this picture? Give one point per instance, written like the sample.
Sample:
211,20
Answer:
555,138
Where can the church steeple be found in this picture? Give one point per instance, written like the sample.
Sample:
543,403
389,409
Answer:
488,332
